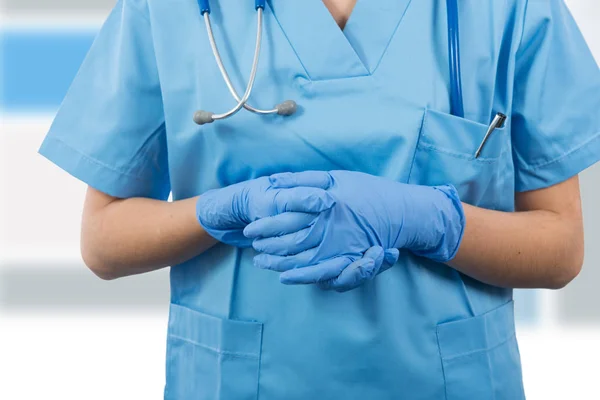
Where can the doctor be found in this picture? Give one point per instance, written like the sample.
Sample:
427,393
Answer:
356,249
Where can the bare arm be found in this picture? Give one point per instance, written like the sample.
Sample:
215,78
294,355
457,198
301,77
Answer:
540,245
123,237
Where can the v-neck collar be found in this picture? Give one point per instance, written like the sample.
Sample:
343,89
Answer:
327,52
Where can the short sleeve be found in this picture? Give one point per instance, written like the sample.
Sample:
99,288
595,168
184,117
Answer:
109,130
556,106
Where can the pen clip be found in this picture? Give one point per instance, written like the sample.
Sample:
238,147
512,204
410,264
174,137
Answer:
497,123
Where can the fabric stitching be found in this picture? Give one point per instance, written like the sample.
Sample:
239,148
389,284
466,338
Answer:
541,164
473,352
491,374
481,160
216,350
442,363
414,157
94,161
168,363
470,157
367,75
425,125
260,338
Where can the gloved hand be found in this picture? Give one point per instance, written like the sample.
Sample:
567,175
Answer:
340,273
369,211
224,213
355,273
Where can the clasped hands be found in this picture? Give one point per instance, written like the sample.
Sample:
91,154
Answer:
336,229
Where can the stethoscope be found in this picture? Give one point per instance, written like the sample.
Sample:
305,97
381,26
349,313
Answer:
289,107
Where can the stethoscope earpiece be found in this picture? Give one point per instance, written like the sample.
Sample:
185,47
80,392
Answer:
287,108
202,117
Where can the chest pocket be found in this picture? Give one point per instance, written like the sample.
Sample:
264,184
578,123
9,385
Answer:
445,153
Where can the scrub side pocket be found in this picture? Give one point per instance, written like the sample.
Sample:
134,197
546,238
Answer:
445,154
480,356
211,358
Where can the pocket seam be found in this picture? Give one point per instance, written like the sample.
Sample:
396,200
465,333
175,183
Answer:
484,350
420,134
219,335
464,156
504,311
437,338
215,350
428,145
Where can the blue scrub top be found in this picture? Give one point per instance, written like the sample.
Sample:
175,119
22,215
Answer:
373,98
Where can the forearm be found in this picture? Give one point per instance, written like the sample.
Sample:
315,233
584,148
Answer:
137,235
530,249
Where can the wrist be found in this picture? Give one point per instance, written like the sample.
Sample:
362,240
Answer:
239,210
439,238
454,220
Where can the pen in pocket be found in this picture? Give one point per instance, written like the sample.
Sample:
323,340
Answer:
497,123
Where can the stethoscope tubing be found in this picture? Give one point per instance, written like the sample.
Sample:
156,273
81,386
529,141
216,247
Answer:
243,101
289,107
226,78
456,95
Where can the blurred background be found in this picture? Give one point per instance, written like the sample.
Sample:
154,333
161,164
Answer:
65,333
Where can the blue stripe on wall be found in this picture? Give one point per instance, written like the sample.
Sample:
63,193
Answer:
38,67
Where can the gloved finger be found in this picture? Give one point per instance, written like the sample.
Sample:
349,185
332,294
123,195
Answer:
285,263
358,272
375,253
352,276
303,199
390,259
323,271
292,243
214,214
318,179
278,225
391,256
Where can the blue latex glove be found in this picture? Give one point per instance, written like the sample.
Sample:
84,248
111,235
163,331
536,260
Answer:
340,273
369,211
355,273
224,213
